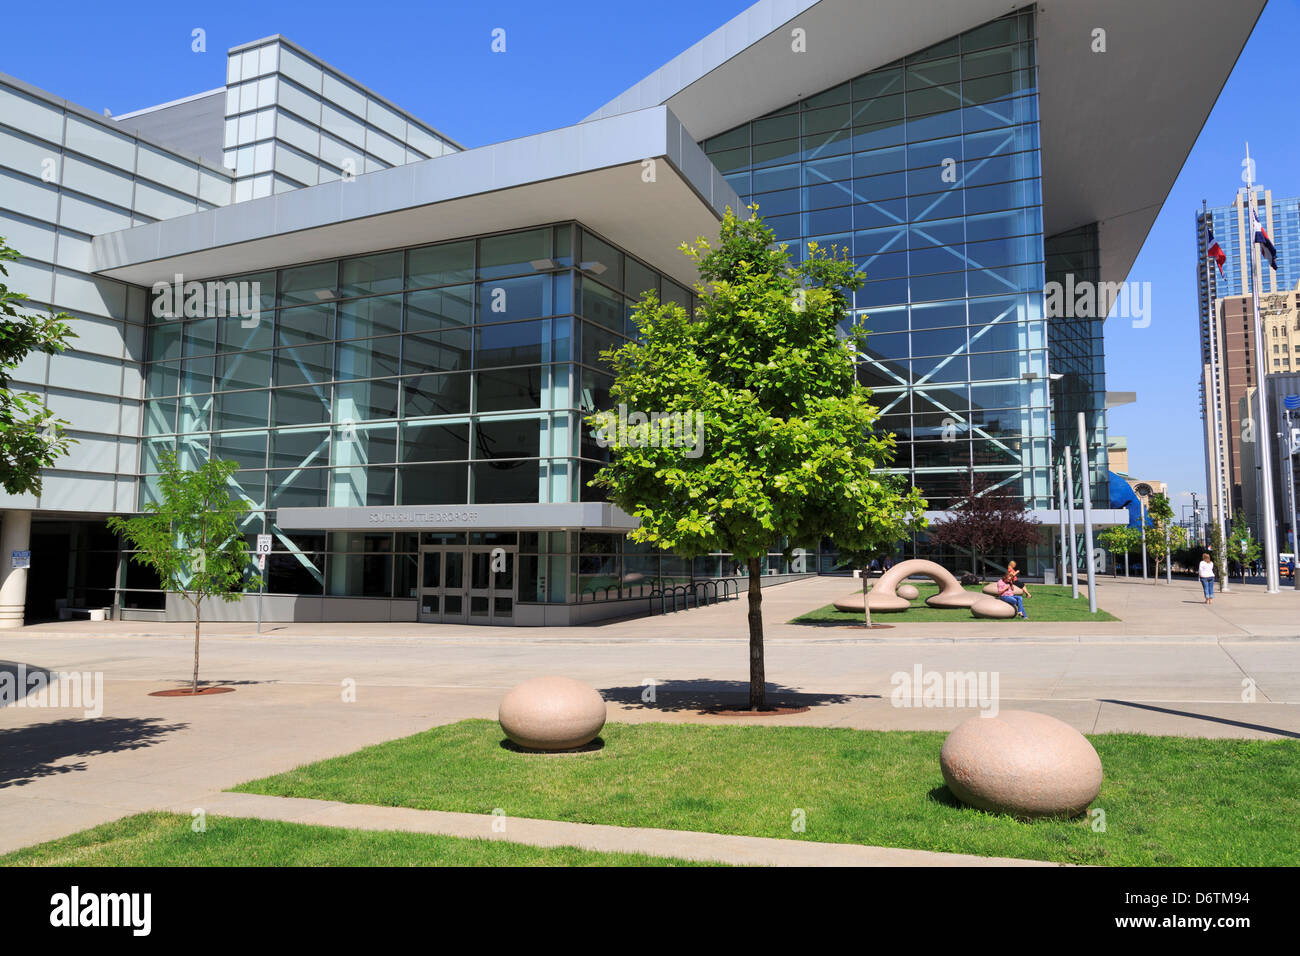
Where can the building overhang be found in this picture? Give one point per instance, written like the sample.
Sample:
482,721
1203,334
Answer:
638,179
1117,125
584,515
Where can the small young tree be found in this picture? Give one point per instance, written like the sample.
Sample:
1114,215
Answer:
1242,545
990,520
1219,549
1163,536
1120,539
191,537
31,438
784,445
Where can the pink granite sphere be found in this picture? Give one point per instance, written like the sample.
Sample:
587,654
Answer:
552,713
907,592
1021,763
992,607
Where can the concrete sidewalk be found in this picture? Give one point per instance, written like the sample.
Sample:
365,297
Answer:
681,844
1147,611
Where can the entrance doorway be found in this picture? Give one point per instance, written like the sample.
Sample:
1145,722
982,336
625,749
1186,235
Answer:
471,584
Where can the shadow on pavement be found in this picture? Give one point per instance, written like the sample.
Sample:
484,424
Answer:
29,753
1218,720
676,696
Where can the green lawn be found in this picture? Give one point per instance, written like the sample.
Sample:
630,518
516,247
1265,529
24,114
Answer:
165,839
1168,800
1046,603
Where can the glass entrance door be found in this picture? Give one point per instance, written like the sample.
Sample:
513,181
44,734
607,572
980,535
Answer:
442,585
492,585
460,585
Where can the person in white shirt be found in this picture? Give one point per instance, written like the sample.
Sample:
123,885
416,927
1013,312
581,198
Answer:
1206,573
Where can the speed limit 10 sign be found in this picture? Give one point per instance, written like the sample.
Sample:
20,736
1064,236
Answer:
263,544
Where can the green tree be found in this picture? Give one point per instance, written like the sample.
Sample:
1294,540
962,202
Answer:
1163,536
191,537
1219,549
31,438
784,446
1122,540
1242,545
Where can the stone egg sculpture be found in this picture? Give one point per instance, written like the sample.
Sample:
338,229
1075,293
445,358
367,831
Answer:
907,591
992,607
1021,763
552,713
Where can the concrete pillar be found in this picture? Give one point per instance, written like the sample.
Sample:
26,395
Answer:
15,535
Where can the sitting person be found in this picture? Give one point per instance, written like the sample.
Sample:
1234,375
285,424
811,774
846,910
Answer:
1015,575
1007,592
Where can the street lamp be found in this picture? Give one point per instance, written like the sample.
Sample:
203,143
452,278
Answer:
1143,491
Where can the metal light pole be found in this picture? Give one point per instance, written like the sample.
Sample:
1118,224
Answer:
1074,550
1261,371
1085,479
1142,510
1060,510
1290,445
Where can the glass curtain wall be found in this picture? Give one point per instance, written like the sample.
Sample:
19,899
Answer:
928,171
448,374
1078,356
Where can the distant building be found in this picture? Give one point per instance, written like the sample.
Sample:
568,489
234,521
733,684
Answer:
1280,316
1277,387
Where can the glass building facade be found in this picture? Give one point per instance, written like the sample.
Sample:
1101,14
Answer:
928,172
450,374
1076,354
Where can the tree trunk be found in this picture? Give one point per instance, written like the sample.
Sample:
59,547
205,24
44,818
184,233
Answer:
866,586
194,685
757,676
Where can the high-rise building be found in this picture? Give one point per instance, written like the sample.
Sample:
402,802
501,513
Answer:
1230,225
1280,317
397,337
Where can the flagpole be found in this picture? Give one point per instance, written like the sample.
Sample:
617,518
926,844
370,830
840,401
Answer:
1262,432
1214,403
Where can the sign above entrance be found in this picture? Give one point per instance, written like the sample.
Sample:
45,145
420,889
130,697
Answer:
595,515
417,518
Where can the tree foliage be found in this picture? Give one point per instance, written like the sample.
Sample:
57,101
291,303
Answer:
1243,547
788,448
191,537
1163,536
1121,539
990,520
31,437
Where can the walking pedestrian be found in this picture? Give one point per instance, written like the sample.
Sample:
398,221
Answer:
1206,575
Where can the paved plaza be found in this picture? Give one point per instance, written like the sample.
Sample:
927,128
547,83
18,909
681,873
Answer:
1171,665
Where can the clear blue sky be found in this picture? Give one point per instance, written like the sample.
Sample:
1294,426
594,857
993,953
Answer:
564,60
